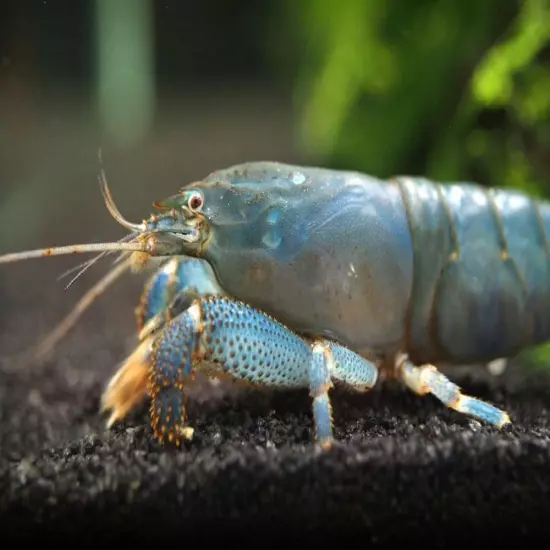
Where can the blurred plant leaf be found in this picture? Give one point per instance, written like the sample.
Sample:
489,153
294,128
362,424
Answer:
492,83
450,90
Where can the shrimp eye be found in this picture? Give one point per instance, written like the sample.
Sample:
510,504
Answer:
195,202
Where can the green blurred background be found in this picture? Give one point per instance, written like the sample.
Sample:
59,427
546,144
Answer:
448,89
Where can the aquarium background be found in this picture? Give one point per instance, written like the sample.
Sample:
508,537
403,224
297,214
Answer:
169,91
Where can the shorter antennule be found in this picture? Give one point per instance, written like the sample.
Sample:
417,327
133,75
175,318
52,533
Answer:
72,249
48,343
111,206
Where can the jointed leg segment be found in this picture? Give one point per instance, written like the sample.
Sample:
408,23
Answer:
331,361
427,379
319,385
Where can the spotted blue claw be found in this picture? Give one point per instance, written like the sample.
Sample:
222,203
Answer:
240,342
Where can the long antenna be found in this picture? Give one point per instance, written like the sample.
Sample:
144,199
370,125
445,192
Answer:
48,343
71,249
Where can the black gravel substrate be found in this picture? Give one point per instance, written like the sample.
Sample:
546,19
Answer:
405,468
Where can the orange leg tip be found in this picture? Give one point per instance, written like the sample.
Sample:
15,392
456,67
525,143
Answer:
187,432
326,443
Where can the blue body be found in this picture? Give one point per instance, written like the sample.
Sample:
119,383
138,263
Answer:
481,272
328,253
446,273
455,273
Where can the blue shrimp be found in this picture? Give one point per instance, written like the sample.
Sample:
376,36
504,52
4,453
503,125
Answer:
291,276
